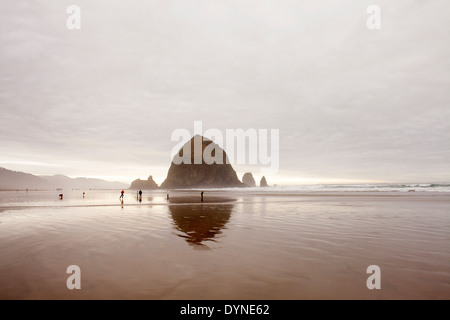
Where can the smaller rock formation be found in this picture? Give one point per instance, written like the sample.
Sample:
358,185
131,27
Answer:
144,184
248,180
263,182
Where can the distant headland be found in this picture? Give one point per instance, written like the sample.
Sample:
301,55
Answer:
210,169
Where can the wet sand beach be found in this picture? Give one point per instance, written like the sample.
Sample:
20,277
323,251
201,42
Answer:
234,245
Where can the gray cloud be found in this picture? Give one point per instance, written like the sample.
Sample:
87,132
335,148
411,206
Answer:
350,103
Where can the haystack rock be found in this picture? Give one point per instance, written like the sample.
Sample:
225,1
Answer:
263,182
144,184
201,169
248,180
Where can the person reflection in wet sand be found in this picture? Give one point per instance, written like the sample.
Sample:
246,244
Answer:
199,224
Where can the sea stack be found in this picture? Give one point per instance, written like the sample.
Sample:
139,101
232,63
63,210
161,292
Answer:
248,180
144,184
200,169
263,182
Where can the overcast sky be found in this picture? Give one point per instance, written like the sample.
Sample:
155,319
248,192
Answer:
351,104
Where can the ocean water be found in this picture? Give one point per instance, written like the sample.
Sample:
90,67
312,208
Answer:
252,244
381,187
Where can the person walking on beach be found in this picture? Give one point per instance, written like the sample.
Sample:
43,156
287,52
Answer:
201,195
122,193
168,194
84,194
140,195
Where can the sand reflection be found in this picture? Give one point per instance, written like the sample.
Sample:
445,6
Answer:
200,223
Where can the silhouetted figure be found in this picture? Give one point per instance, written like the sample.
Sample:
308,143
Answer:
61,196
168,194
122,194
201,194
84,195
140,195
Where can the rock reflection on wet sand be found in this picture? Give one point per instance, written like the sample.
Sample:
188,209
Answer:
200,223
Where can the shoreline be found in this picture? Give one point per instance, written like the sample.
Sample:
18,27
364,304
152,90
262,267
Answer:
216,197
